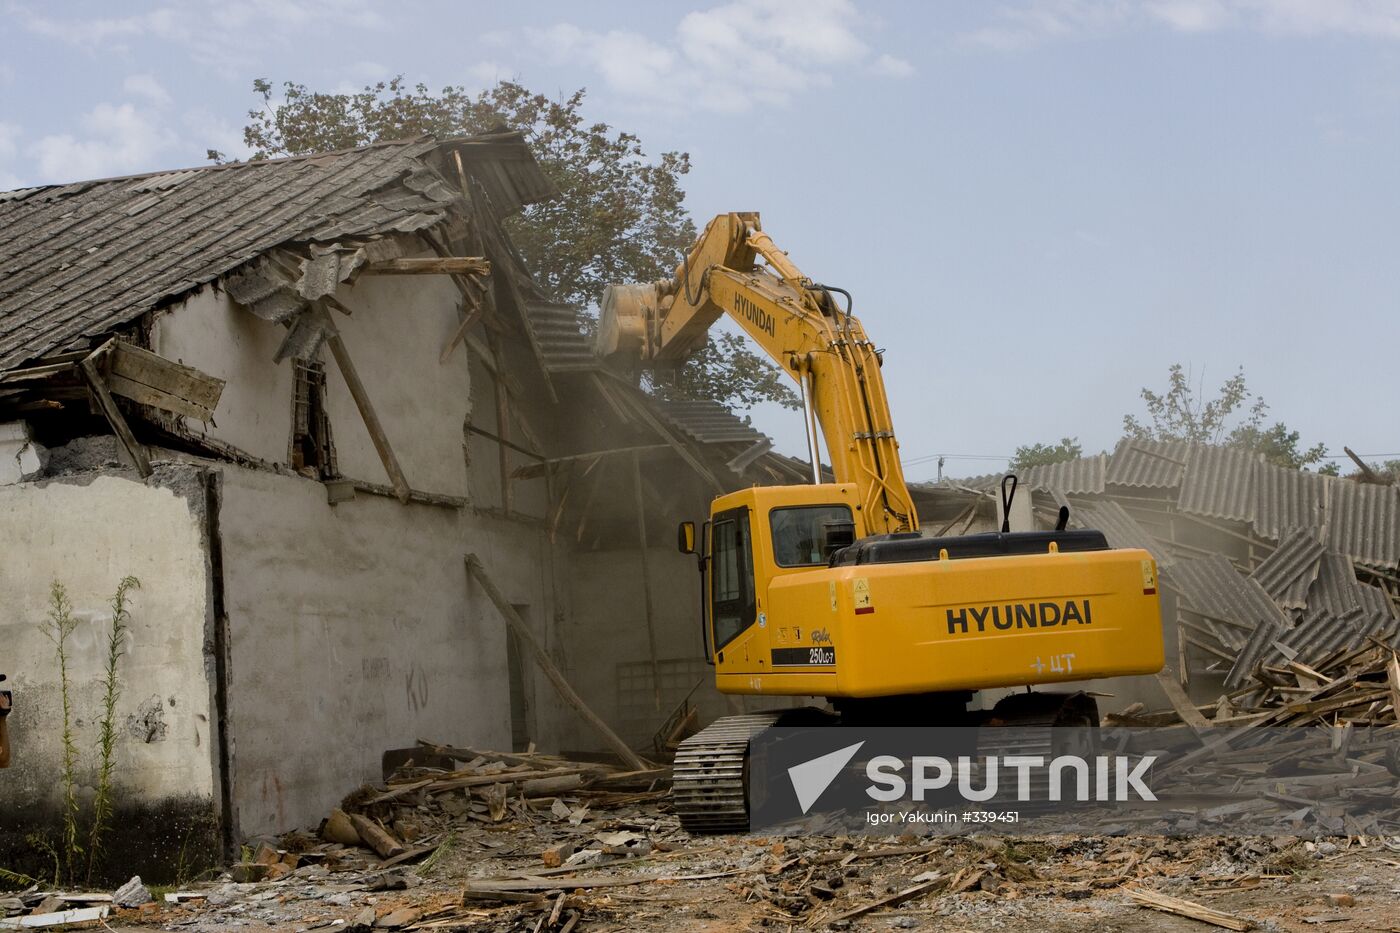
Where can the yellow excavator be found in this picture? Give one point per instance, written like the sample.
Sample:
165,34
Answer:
828,589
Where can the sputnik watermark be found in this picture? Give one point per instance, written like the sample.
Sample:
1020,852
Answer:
889,780
1114,778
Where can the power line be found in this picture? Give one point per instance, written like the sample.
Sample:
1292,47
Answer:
927,458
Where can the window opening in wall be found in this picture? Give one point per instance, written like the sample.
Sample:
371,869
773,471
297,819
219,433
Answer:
313,453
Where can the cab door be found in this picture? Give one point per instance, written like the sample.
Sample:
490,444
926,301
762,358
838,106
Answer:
733,599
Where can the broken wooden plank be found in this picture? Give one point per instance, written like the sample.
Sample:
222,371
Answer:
504,777
491,886
1185,908
1392,676
367,414
556,677
472,315
890,900
433,265
151,379
1181,702
409,855
134,448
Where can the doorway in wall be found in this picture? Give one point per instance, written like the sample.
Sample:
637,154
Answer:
520,731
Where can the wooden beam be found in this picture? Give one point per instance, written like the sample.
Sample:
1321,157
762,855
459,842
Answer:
367,414
1367,473
502,424
527,638
519,471
1184,908
152,379
1181,702
435,265
112,413
472,315
533,470
646,578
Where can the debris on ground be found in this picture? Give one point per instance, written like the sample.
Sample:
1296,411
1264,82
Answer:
570,846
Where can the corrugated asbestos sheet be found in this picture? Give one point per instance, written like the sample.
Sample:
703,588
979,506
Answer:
1287,499
710,422
1232,604
562,342
1120,528
1288,574
1363,522
1082,477
1219,483
79,260
1148,464
1333,617
1334,593
506,169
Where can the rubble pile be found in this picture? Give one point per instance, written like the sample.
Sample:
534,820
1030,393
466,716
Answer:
529,843
1298,749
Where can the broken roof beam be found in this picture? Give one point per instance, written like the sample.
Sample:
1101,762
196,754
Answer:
357,392
434,265
108,405
151,379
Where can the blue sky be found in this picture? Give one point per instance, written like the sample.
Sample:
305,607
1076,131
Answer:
1039,205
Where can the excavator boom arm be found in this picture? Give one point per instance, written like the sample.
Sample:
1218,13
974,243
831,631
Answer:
799,324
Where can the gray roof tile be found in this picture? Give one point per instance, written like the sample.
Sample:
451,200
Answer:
83,259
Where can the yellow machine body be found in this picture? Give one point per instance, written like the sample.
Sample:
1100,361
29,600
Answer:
913,627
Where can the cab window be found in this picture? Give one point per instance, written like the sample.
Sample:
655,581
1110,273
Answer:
799,533
732,587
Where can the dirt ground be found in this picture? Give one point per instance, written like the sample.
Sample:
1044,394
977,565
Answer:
645,874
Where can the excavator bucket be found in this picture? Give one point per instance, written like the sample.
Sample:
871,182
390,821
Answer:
626,322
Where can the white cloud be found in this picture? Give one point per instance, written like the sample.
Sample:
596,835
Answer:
1031,22
891,66
727,58
1036,21
146,85
1191,15
228,36
1378,19
117,139
9,140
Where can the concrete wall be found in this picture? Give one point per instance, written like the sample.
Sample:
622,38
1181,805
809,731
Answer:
88,532
394,337
211,333
353,630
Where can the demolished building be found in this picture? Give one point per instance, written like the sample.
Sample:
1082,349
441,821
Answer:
1261,565
292,397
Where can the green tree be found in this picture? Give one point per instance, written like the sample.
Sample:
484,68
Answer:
1182,413
619,216
725,369
1040,454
